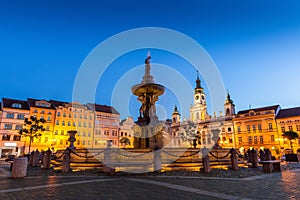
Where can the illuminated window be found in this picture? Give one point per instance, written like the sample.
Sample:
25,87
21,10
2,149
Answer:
6,137
261,139
298,127
18,127
249,140
272,138
56,132
255,139
16,105
63,123
69,123
254,128
10,115
239,129
290,128
21,116
240,140
270,126
62,132
17,138
282,129
57,122
248,128
259,127
7,126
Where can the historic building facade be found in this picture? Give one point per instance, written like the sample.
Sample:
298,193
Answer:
288,120
12,119
256,128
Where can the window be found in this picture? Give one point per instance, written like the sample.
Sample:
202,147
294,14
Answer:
63,123
83,142
223,129
47,128
61,142
240,140
70,115
6,137
270,126
272,138
254,128
75,116
21,116
261,139
64,115
249,140
89,142
58,114
42,112
239,129
17,138
18,127
282,129
35,111
80,116
79,124
230,140
255,139
7,126
10,115
229,129
62,132
49,118
57,122
78,133
106,132
49,113
78,142
42,117
98,132
90,126
121,134
89,134
85,117
56,132
248,128
84,124
46,139
290,128
298,127
16,105
84,134
74,123
91,117
69,123
259,127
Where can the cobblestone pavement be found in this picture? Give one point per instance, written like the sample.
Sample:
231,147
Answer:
285,185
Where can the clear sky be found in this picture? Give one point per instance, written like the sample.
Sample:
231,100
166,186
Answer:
255,44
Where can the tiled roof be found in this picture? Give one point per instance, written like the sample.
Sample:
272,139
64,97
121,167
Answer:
103,108
275,107
58,103
32,103
289,112
8,103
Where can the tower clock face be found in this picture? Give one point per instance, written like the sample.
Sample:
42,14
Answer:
197,97
202,97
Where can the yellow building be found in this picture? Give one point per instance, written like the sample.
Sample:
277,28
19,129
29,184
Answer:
107,120
42,109
256,128
288,120
73,116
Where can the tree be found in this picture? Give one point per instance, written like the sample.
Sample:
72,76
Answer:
32,128
290,135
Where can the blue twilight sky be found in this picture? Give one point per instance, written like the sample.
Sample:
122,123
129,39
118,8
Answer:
255,44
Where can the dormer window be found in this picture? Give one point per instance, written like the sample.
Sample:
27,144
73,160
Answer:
16,105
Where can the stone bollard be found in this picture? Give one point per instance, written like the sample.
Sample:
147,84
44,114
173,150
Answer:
31,158
46,159
254,159
36,157
157,161
66,161
206,166
107,159
234,159
19,169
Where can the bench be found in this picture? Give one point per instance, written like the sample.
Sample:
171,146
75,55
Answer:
270,165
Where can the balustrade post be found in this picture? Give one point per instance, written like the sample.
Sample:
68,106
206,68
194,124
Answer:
46,159
66,161
234,159
254,159
36,157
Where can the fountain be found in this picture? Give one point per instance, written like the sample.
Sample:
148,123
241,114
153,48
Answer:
148,128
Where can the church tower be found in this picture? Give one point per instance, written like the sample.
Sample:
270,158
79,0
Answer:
229,107
175,116
198,110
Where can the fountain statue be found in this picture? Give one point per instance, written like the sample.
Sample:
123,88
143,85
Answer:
147,127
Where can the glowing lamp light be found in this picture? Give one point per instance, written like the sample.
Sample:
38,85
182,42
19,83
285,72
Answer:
10,144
